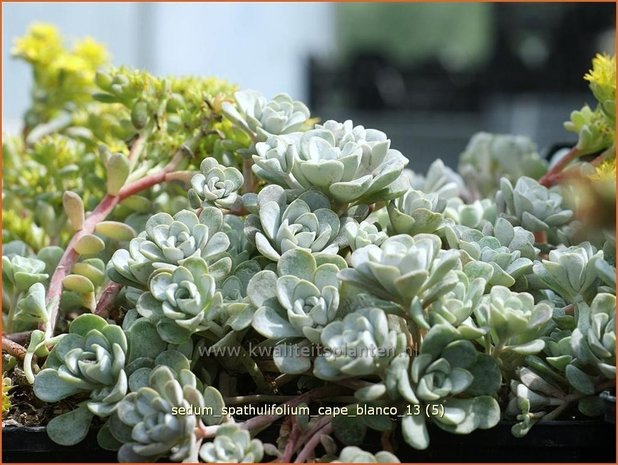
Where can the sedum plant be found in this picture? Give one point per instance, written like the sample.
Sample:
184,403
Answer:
195,265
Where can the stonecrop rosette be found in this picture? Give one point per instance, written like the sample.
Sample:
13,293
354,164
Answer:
167,241
148,423
594,340
300,299
90,358
232,444
489,157
452,375
404,267
363,343
353,454
262,117
279,225
347,163
531,205
179,300
215,185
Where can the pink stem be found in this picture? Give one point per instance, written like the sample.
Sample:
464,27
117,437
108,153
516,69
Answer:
70,256
108,295
540,237
549,179
290,446
309,448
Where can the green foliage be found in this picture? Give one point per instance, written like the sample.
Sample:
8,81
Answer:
353,454
232,445
489,157
212,243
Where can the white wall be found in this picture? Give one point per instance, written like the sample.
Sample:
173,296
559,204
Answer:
262,46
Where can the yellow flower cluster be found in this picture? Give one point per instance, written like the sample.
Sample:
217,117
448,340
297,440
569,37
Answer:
606,171
61,74
42,45
602,78
603,73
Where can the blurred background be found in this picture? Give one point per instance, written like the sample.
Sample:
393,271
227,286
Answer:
428,74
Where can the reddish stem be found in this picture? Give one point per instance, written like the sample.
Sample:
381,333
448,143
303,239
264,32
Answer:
107,298
549,179
290,446
309,448
105,207
11,347
540,237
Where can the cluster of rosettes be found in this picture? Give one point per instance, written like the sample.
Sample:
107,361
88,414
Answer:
422,292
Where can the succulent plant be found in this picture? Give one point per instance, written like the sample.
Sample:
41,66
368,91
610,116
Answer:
347,163
31,309
594,340
232,444
300,299
497,259
479,214
454,308
534,396
216,185
489,157
179,300
167,241
440,179
358,235
19,273
159,420
361,344
449,374
515,323
261,117
306,222
416,212
89,358
353,454
403,267
267,253
531,205
570,272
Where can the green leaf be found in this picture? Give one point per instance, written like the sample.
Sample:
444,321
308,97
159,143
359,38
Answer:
170,332
106,440
83,324
591,406
70,428
144,340
487,376
415,431
77,283
173,359
579,380
89,245
532,347
349,430
74,209
213,398
117,172
115,230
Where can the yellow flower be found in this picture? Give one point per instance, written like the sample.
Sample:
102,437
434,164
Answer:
602,78
92,52
606,171
41,44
